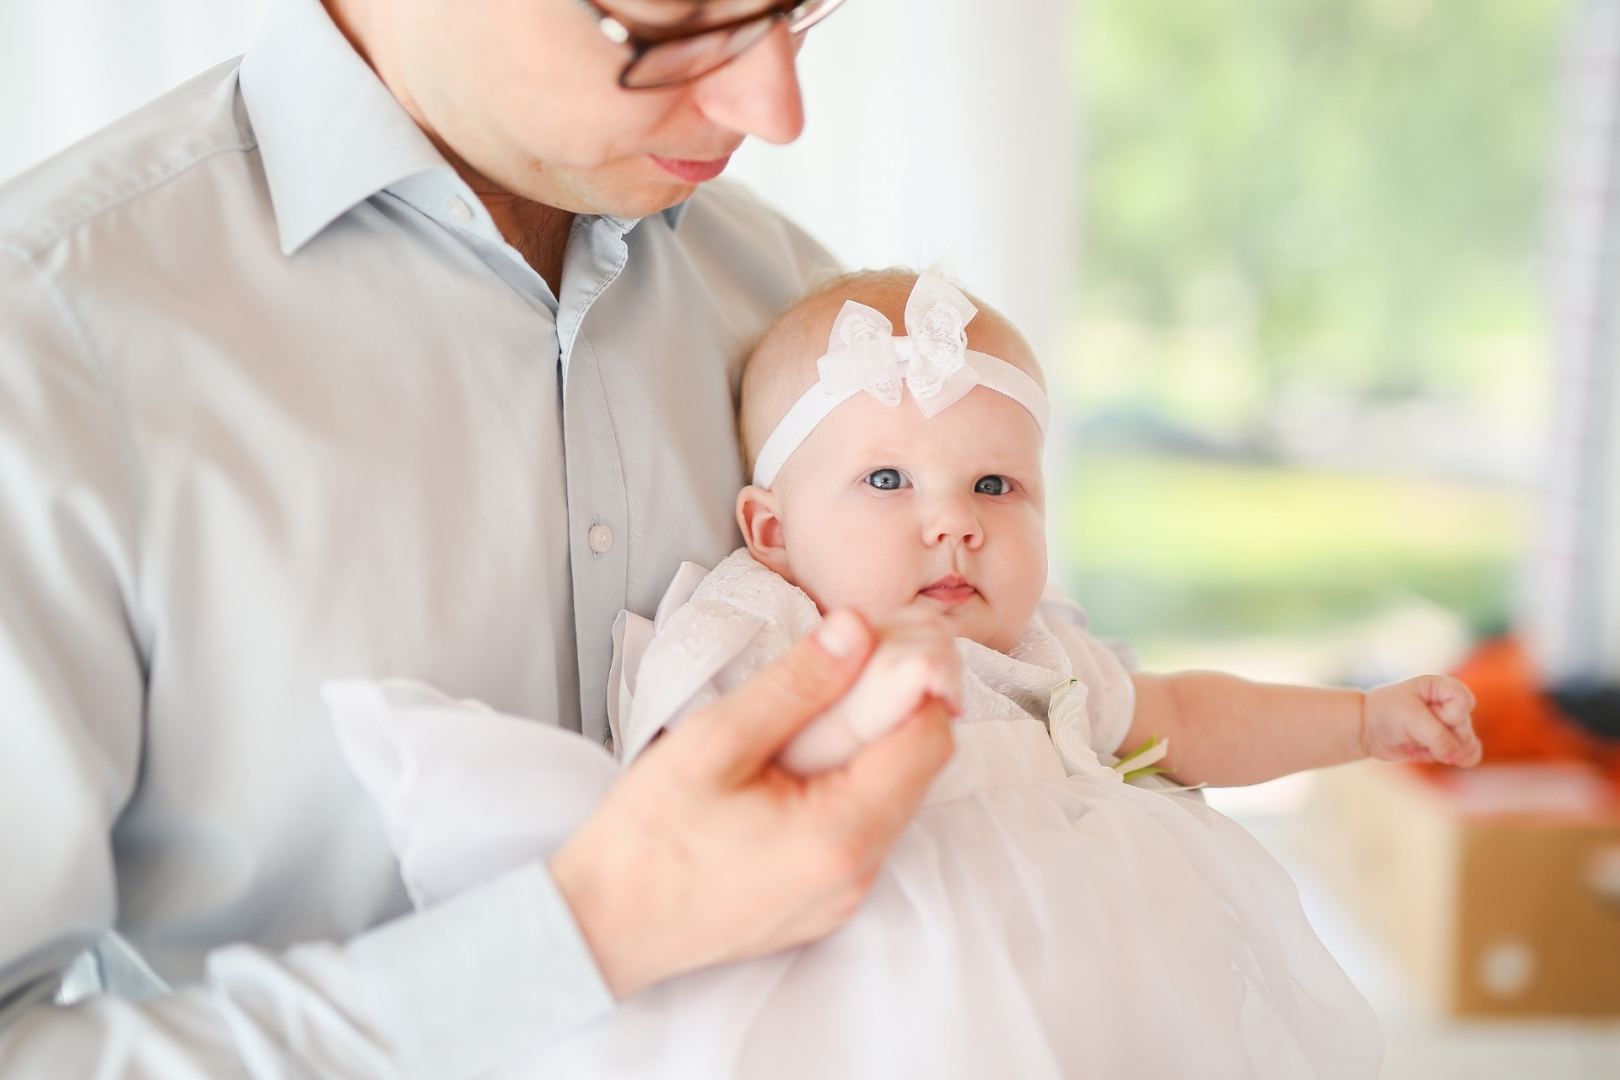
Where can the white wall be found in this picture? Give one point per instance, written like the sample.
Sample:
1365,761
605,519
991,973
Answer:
941,132
67,67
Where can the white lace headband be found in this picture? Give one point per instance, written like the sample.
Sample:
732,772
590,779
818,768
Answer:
934,363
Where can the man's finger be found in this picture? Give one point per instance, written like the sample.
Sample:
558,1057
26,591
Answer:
739,733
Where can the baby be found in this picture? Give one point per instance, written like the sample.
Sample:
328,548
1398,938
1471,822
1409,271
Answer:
926,493
1042,917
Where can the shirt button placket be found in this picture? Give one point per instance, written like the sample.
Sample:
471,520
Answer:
600,539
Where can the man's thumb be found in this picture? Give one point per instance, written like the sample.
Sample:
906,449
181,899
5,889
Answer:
746,728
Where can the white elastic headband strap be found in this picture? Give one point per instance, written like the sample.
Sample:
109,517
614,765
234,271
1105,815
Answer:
933,364
810,410
816,405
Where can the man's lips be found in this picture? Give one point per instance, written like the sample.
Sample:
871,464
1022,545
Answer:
950,590
691,172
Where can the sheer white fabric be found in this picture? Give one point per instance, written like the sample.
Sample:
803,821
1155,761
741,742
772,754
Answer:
1029,923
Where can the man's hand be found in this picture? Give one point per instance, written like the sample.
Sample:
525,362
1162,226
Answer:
916,659
708,852
1429,718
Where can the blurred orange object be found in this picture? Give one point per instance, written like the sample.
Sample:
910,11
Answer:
1496,889
1515,718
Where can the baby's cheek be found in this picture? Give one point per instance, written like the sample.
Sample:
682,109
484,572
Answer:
841,568
1021,570
876,589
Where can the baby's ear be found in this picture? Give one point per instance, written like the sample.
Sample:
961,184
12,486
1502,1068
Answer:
759,515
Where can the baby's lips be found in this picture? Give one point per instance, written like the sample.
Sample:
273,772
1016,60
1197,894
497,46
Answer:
950,594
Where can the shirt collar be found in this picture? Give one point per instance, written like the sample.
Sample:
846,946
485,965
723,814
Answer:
330,134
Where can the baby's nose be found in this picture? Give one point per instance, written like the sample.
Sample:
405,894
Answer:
954,521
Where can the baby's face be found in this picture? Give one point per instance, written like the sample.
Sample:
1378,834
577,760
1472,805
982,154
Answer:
883,507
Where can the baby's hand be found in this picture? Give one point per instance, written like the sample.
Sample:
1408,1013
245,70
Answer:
1428,718
915,659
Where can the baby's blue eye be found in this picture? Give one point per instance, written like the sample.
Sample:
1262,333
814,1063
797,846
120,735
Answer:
886,479
992,485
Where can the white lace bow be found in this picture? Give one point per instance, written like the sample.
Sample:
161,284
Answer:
864,354
933,362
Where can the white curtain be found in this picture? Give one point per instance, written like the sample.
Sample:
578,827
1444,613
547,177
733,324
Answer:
1571,610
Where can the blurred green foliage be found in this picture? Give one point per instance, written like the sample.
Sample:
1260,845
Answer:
1366,176
1339,193
1189,548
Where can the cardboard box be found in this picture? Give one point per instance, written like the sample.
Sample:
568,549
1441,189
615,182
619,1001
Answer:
1497,890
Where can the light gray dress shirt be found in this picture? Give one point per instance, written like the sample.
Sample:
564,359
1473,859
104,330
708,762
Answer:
278,404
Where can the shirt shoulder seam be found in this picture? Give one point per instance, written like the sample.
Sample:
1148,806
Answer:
29,246
107,395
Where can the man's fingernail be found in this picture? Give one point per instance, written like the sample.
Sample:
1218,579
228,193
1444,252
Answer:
839,634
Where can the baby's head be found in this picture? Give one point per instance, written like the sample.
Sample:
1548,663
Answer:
880,505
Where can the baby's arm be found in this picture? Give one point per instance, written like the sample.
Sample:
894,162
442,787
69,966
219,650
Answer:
1227,731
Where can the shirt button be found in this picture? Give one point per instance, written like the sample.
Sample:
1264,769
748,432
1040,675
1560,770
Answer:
600,538
459,211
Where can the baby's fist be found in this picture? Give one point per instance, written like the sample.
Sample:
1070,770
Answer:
915,659
1429,718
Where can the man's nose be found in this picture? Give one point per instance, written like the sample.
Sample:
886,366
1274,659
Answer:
953,521
757,93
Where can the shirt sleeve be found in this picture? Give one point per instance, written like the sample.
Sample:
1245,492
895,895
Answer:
444,994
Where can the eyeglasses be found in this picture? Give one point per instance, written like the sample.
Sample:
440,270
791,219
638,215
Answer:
673,53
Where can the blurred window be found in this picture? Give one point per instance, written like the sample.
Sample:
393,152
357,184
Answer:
1312,360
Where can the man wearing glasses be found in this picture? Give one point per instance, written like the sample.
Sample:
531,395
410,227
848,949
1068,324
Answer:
405,347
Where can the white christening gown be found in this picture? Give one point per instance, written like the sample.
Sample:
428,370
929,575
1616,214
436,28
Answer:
1039,919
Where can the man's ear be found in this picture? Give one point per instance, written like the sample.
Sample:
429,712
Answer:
759,515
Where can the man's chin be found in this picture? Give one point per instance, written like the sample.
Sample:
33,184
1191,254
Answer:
642,204
629,188
639,186
637,198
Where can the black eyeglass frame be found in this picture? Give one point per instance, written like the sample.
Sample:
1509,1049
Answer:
643,40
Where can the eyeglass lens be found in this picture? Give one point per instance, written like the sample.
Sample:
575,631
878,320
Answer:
809,13
687,58
672,62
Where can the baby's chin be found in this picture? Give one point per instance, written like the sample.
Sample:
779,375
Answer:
983,626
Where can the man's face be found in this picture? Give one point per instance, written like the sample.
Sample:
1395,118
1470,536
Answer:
526,92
